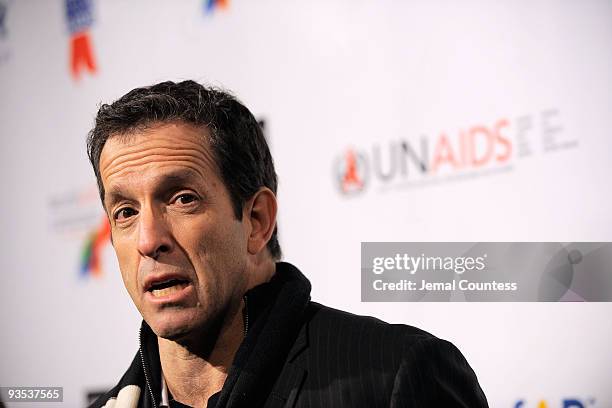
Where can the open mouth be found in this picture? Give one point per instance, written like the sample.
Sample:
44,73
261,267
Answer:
168,287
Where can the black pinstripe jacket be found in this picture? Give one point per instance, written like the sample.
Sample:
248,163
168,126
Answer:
298,353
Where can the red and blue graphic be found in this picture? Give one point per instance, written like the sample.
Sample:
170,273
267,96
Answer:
211,5
91,255
564,403
79,16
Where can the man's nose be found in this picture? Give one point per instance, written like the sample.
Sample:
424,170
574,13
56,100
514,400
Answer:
154,237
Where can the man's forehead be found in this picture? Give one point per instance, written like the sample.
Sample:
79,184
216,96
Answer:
177,132
156,145
167,176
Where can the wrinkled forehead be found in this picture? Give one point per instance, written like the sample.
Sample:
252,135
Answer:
163,144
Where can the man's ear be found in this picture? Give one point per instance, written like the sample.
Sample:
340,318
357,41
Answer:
261,212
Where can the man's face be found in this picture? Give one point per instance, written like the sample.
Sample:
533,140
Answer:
181,250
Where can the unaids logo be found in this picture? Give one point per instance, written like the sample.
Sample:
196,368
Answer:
483,149
79,17
91,254
406,160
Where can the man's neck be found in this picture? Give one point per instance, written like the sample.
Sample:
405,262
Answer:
192,376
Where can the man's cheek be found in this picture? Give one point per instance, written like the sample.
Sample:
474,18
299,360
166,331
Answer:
129,275
125,264
127,282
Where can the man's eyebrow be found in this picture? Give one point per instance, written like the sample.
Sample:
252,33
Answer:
114,195
178,177
166,181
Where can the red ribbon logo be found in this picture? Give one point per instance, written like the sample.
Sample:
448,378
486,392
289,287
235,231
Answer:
81,54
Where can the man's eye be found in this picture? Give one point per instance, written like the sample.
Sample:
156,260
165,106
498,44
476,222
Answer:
125,213
184,199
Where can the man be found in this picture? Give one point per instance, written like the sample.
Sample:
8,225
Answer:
188,184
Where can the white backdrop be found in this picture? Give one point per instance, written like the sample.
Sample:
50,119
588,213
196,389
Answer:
327,77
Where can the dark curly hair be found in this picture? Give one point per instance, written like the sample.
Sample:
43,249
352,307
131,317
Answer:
236,138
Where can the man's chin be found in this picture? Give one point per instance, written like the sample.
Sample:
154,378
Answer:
185,326
172,327
173,333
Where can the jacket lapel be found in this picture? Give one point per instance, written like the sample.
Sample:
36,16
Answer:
289,384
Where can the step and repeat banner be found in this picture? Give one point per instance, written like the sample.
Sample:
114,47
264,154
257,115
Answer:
389,121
